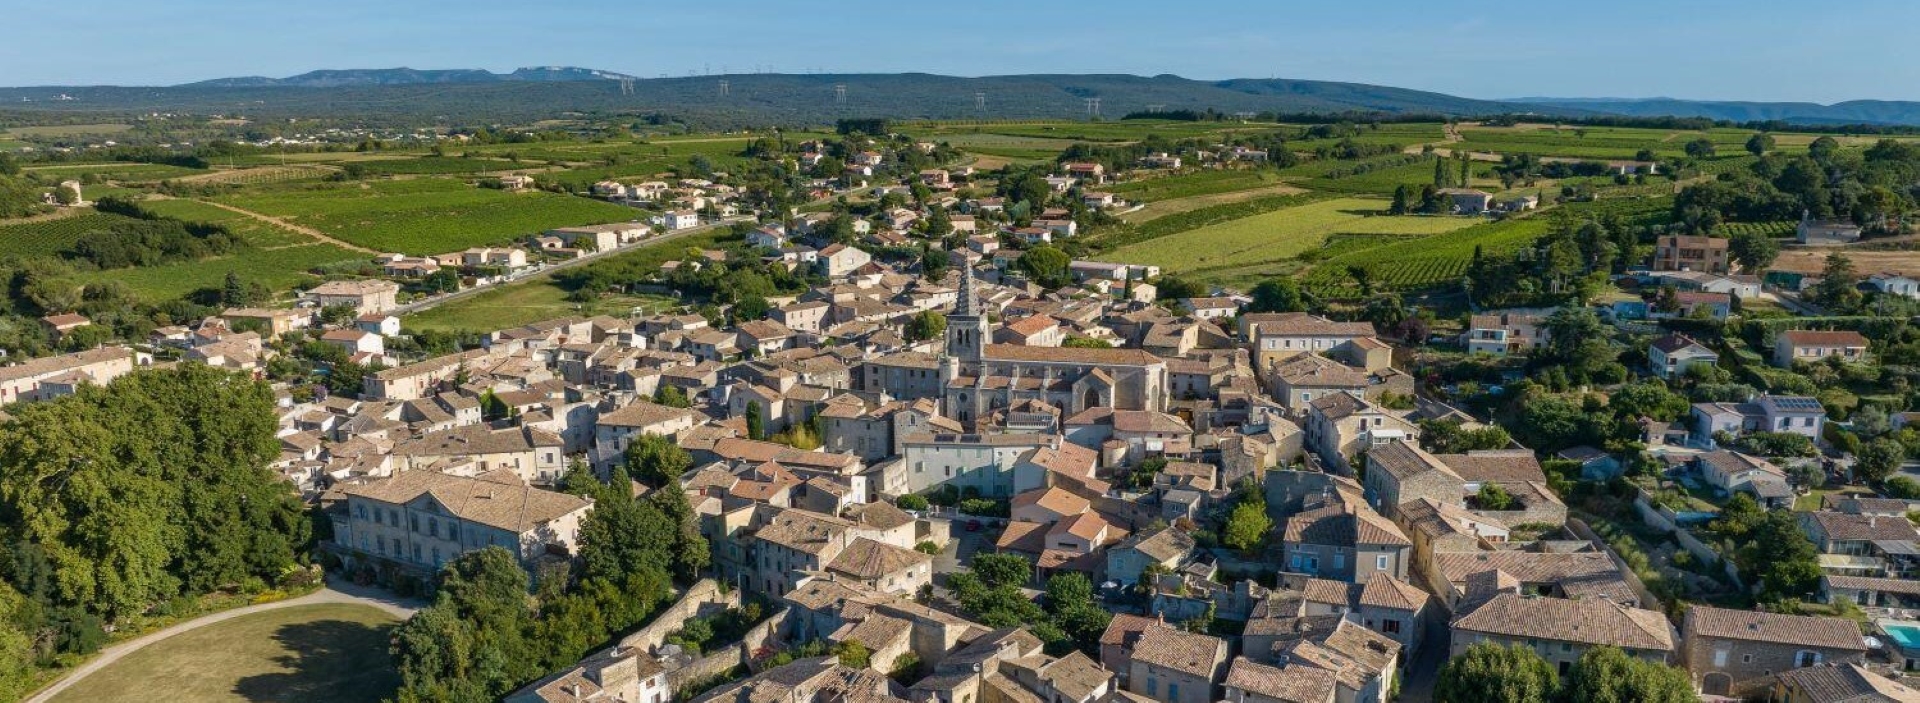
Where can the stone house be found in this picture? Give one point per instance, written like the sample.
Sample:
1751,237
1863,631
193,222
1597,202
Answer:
1171,665
1560,630
1733,652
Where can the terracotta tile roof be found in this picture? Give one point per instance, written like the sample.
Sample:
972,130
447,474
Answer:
1341,525
1495,465
801,531
1311,369
880,516
1850,528
1404,459
1526,567
1846,338
1030,326
1589,621
1125,629
1385,591
473,440
1054,500
1294,684
1148,421
1756,626
1304,325
1847,683
645,413
1022,536
1070,355
867,559
498,499
1172,648
1325,591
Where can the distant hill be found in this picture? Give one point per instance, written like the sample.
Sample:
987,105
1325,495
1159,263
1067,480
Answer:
1883,112
408,76
472,95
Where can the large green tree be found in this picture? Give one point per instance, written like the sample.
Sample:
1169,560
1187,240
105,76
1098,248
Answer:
1608,675
1046,265
472,644
149,488
1490,673
656,460
1248,525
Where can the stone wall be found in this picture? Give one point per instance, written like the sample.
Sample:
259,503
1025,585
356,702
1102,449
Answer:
1662,518
702,598
725,659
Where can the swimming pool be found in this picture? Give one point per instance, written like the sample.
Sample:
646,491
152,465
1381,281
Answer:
1905,634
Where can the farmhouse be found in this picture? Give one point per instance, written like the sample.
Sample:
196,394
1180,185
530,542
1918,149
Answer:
364,296
1813,345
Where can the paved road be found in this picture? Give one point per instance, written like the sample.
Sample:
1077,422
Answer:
337,591
547,273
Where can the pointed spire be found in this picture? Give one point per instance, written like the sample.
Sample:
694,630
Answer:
966,304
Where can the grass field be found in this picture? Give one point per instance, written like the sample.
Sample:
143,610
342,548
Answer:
538,298
426,216
279,269
322,653
250,230
1278,235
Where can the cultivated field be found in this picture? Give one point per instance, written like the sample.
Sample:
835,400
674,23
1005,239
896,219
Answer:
69,130
48,236
426,216
330,653
1278,235
250,230
279,269
259,175
115,171
1865,261
1413,263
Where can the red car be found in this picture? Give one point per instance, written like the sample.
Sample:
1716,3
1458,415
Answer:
973,525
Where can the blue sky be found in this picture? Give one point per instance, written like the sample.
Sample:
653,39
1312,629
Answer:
1709,49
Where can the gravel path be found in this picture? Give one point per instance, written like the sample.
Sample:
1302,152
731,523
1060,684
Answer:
337,591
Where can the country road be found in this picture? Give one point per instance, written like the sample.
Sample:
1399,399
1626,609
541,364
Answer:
336,591
548,272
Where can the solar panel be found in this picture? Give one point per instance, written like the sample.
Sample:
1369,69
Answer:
1796,402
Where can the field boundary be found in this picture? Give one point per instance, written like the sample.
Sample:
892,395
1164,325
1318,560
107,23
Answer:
278,222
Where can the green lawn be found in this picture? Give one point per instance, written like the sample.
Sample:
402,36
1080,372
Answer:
1277,235
309,653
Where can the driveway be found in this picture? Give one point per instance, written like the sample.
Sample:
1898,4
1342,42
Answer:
336,591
